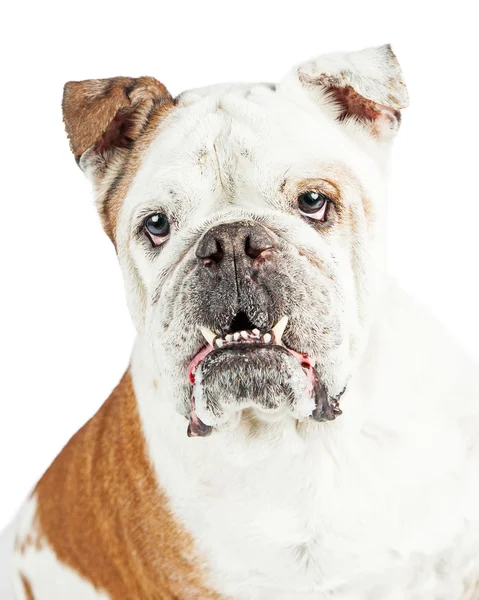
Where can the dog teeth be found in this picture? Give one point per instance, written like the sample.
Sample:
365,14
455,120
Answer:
208,335
255,335
279,328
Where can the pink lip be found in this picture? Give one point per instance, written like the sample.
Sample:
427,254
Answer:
196,361
306,361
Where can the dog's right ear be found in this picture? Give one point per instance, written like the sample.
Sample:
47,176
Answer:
105,117
106,120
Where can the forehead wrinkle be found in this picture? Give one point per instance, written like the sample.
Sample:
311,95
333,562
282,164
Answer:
226,162
230,149
243,115
192,132
218,148
164,161
232,156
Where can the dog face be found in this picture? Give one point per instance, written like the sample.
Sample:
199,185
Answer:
247,222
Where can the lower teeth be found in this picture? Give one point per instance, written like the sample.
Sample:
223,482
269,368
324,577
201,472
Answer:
273,336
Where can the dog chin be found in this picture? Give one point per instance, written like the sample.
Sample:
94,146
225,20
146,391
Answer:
250,376
269,379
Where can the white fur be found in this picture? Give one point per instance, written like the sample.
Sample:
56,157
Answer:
382,503
6,562
385,498
49,578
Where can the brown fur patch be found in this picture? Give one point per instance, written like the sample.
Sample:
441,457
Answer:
334,180
30,541
354,105
27,588
109,122
94,109
112,190
103,513
374,100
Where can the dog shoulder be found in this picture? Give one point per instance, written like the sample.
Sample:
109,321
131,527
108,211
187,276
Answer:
98,521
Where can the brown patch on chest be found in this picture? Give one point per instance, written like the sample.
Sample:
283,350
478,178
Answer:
27,588
32,540
104,515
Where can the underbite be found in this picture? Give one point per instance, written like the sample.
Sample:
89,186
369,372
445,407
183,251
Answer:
241,338
245,344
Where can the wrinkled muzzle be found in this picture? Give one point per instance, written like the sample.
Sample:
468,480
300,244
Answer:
246,361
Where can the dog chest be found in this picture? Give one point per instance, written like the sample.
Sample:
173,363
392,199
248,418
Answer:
294,525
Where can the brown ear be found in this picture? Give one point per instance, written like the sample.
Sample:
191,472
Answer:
107,122
364,88
108,115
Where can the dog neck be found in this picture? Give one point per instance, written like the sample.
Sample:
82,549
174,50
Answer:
266,459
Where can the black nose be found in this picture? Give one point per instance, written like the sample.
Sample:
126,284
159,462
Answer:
238,241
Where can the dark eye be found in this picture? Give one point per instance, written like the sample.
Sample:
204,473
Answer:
313,205
157,228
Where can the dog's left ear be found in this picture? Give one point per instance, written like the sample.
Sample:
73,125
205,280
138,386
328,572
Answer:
362,90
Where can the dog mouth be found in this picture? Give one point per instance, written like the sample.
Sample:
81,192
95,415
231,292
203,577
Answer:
244,338
251,344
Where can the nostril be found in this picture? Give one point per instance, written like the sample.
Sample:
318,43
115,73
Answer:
210,251
235,241
254,248
214,258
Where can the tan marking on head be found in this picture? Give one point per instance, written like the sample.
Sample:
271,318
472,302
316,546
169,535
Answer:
334,180
103,513
349,181
114,187
293,187
27,588
109,123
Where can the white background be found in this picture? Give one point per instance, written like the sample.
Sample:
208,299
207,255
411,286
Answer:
65,331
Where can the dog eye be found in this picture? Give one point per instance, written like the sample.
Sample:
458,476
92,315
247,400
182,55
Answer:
157,228
313,205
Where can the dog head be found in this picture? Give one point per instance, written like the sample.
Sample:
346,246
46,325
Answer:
247,222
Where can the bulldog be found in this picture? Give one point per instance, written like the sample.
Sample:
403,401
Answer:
291,426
